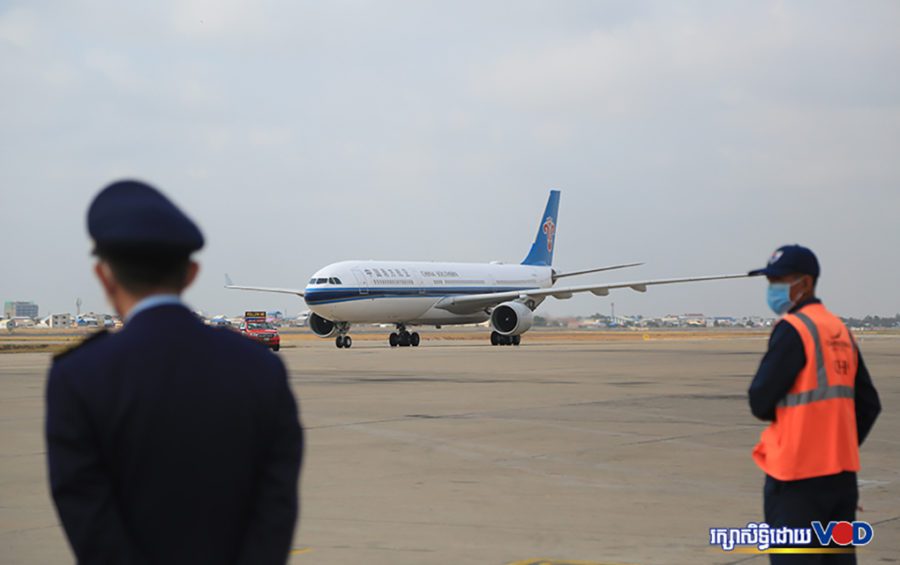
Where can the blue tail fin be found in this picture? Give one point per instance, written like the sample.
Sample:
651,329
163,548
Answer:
545,242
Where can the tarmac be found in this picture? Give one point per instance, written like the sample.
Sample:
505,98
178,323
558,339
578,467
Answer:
455,452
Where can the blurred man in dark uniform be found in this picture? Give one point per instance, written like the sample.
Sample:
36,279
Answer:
169,441
814,388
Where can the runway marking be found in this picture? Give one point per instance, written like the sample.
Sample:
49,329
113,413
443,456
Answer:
563,562
885,521
301,550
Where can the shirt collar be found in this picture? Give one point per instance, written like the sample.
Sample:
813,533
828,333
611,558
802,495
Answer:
153,301
803,304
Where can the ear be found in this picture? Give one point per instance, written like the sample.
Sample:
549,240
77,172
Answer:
807,287
192,272
107,279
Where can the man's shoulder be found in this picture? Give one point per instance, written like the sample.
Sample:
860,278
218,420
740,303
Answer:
244,360
783,326
784,335
84,348
234,344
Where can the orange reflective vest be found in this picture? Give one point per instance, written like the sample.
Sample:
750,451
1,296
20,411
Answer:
814,432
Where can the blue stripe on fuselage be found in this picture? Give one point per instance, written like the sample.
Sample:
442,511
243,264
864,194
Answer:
315,296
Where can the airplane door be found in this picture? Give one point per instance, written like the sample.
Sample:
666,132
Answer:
419,281
361,281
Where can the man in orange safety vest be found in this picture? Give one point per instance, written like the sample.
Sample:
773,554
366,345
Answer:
814,388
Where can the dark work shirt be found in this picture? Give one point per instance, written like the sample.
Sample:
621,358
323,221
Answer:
782,364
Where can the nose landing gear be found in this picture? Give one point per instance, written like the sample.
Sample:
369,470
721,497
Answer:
343,341
403,338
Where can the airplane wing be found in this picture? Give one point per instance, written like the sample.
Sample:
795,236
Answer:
557,276
295,291
474,302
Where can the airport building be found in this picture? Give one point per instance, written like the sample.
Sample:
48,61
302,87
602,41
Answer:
20,309
57,321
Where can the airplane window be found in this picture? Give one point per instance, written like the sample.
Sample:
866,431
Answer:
331,280
312,281
322,281
337,281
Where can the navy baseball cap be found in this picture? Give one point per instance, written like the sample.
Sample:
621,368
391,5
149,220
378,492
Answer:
131,216
788,260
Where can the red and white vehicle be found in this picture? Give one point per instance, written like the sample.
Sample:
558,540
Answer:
256,327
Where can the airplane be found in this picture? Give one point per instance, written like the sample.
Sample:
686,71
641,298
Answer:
408,294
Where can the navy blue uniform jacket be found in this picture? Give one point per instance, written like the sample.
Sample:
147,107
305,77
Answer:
172,442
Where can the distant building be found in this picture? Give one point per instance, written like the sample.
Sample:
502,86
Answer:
670,321
56,321
693,320
20,310
22,322
60,321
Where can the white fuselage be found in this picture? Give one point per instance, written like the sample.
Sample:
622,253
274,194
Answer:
405,292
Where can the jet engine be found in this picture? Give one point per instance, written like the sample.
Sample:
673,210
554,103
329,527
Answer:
321,327
512,318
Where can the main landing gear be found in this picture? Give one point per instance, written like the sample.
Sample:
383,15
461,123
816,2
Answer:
403,338
500,339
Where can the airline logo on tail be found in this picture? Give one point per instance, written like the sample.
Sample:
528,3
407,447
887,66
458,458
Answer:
549,230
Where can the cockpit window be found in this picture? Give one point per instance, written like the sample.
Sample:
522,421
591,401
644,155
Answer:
329,280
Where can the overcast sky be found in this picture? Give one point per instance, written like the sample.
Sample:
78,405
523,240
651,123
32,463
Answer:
694,136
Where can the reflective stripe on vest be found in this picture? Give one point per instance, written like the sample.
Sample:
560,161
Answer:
822,390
